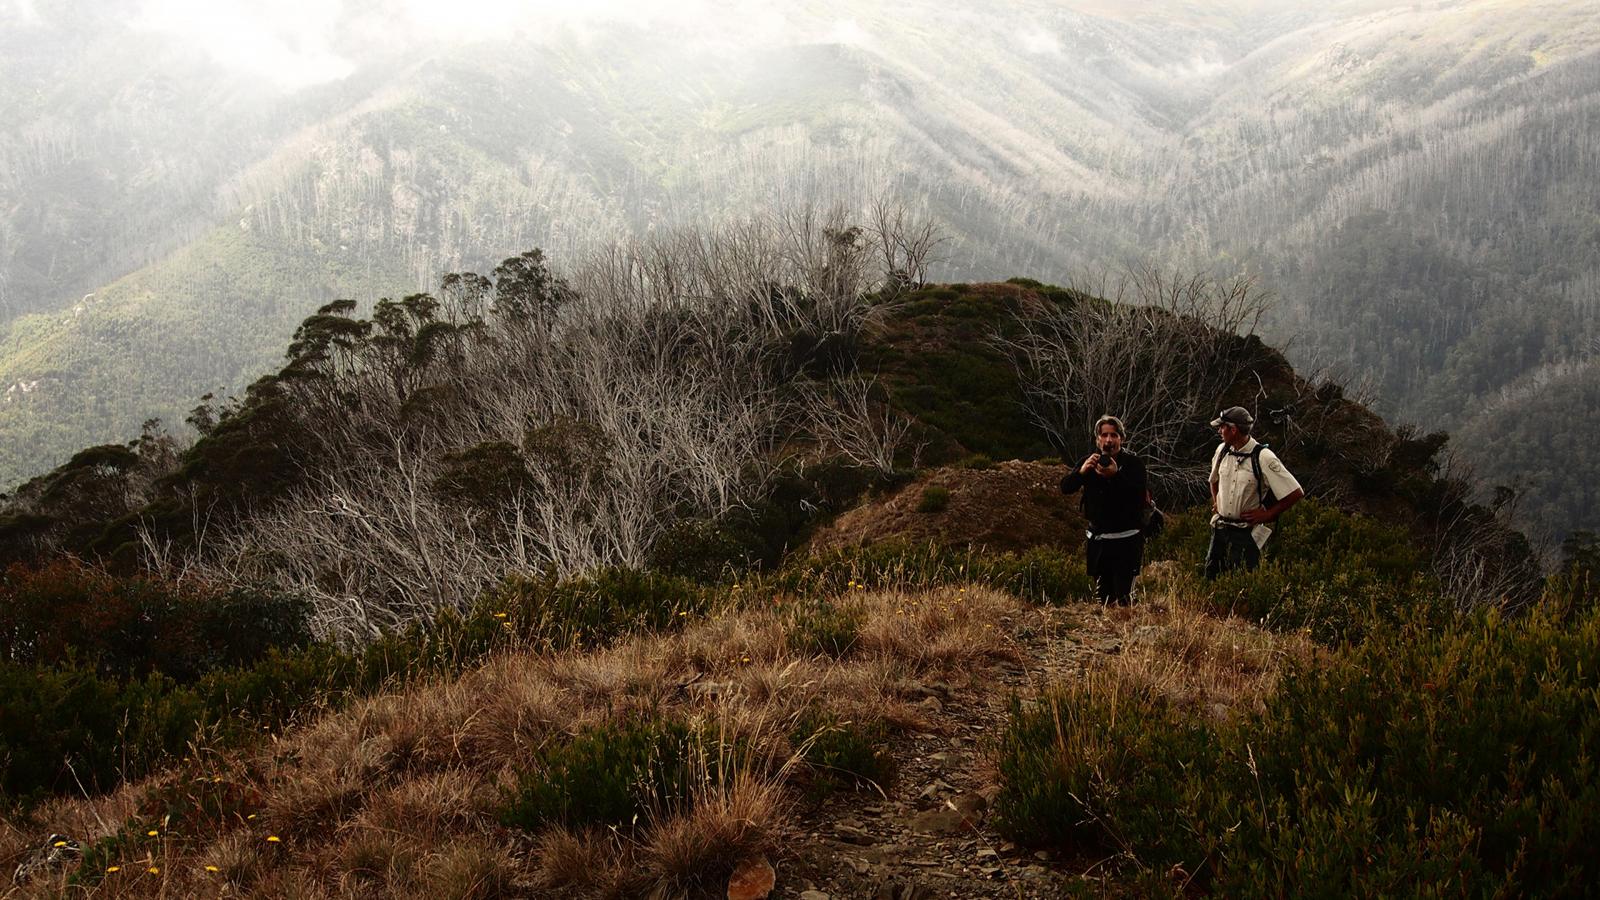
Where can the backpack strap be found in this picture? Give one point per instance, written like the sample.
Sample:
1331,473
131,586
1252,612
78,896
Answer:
1261,483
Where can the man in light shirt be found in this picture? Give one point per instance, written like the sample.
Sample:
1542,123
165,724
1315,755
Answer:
1244,474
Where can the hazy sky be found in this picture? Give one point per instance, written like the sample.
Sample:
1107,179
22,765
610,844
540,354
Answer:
301,42
296,43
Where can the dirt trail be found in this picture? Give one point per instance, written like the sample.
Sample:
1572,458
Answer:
931,836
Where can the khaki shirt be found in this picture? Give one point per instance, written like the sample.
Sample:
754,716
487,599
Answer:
1235,479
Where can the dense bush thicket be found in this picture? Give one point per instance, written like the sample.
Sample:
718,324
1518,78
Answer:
67,612
1043,574
95,716
1333,574
1460,758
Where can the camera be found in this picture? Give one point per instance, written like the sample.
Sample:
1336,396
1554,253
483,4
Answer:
1104,461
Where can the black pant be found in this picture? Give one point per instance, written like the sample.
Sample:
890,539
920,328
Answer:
1230,549
1114,564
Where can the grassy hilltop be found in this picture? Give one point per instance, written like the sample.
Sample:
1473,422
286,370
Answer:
506,591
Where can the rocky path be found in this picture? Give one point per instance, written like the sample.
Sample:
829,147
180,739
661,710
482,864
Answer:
928,835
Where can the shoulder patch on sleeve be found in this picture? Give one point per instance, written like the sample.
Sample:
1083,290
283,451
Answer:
1275,465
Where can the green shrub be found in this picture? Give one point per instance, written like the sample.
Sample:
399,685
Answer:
1575,587
842,755
1094,771
758,535
62,727
1479,739
1333,606
825,627
129,842
1462,758
609,775
1331,573
977,461
1042,574
128,627
934,499
194,801
109,725
595,608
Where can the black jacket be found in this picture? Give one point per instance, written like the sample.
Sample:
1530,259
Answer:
1111,504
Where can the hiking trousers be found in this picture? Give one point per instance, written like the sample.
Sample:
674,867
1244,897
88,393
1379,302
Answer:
1114,564
1230,549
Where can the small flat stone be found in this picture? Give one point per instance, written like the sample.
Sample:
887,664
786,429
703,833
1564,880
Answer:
852,835
752,879
939,821
880,854
972,807
814,895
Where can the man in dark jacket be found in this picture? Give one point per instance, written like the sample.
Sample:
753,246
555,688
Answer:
1114,496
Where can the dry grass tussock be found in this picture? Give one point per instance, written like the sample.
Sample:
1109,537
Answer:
401,795
1195,659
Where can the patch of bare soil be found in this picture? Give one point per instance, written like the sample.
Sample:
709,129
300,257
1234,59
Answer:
1011,506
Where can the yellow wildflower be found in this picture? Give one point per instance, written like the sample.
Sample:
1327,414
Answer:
152,832
274,839
154,870
212,869
110,869
59,844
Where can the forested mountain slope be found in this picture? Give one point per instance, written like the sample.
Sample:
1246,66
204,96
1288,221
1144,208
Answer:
1407,178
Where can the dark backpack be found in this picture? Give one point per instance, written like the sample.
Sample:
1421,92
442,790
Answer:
1151,519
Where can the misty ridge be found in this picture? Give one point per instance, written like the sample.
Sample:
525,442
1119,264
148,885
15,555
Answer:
184,184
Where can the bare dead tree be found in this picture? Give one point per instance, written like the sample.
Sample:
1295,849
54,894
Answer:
1478,556
907,243
1158,354
461,437
852,416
